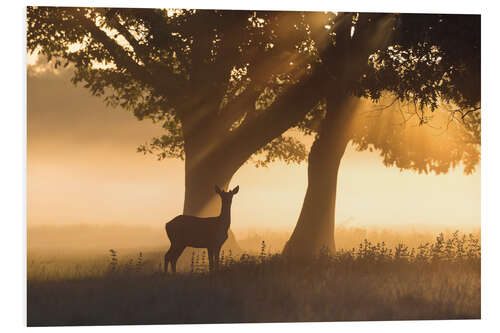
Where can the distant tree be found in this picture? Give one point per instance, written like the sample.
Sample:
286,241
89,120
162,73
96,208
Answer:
428,61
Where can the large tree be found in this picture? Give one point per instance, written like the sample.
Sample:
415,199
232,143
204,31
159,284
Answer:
223,84
429,61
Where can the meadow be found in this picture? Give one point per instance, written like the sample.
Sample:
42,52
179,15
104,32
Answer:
435,280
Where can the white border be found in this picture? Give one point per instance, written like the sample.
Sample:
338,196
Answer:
13,180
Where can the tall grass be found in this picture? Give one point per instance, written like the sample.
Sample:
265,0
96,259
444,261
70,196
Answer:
436,280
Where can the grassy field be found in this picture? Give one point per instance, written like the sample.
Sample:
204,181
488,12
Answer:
437,280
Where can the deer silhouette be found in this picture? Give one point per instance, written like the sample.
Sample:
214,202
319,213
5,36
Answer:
200,232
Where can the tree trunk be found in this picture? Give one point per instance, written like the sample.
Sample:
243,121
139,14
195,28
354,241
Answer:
200,198
314,230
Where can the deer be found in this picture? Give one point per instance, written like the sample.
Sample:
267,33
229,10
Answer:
200,232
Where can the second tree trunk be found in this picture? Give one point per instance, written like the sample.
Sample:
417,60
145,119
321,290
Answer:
314,230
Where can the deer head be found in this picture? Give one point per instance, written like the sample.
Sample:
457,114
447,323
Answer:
226,197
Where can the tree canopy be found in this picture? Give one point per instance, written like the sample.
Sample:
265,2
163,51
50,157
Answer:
433,63
193,71
206,74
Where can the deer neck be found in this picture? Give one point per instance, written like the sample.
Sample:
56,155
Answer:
225,215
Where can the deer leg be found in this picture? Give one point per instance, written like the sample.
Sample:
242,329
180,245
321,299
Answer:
217,253
175,256
168,257
210,258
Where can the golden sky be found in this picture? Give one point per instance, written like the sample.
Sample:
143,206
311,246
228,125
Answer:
83,168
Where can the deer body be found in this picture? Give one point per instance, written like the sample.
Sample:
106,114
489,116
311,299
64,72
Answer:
199,232
203,232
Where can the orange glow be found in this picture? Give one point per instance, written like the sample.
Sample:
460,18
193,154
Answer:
83,168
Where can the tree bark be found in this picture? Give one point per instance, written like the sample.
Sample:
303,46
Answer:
200,198
314,230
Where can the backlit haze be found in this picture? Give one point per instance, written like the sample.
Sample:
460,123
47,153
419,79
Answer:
83,168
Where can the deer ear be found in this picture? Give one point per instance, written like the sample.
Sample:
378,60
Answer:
217,190
236,189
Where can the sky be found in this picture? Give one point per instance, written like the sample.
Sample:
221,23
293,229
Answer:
83,167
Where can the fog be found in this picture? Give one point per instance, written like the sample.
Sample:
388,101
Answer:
83,168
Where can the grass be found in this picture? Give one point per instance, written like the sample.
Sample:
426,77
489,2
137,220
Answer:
438,280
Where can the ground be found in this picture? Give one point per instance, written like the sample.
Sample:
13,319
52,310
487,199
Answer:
435,281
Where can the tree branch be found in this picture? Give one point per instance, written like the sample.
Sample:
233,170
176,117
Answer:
125,62
139,50
291,107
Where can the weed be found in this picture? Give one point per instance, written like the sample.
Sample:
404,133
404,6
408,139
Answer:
436,280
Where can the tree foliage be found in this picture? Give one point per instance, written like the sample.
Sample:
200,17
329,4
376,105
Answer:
432,72
192,71
403,141
245,77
